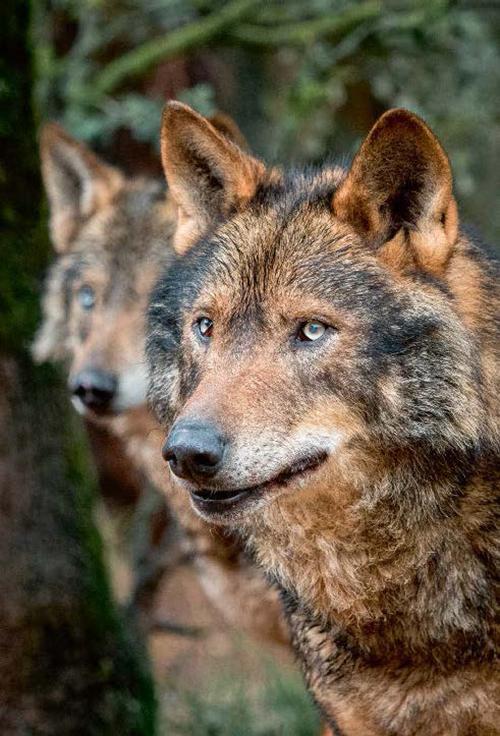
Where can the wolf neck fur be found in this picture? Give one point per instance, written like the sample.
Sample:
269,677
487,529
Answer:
365,567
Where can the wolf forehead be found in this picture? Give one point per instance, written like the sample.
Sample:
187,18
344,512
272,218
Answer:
285,243
119,238
127,227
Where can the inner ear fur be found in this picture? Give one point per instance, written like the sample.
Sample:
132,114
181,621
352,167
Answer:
209,175
77,183
400,182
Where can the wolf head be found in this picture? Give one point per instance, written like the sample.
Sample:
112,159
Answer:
318,324
110,234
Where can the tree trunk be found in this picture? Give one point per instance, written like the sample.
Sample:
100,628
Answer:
67,665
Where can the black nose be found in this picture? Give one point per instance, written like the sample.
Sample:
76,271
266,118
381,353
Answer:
194,450
96,389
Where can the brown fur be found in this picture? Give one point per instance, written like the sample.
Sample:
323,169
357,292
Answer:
117,243
229,185
364,468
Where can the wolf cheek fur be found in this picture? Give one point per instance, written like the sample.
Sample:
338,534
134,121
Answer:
384,540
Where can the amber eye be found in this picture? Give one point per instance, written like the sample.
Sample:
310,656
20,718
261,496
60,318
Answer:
205,326
86,297
311,331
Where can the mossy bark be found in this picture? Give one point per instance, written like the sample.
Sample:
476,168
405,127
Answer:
67,664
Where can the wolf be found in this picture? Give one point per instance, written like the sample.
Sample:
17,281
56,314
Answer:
328,382
112,236
108,233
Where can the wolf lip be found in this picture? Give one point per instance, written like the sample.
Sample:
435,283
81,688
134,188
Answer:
220,498
219,501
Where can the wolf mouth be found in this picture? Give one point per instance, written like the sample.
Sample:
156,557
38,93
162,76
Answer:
93,411
211,501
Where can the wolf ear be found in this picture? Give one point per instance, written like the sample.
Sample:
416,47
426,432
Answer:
400,180
208,175
76,181
227,126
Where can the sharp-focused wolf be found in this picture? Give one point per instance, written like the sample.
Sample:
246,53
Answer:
328,376
112,235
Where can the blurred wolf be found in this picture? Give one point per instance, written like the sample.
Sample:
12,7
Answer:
329,379
112,236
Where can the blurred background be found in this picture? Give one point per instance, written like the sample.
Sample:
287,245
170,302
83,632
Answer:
305,80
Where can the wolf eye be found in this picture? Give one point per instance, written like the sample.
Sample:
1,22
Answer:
311,331
205,326
86,297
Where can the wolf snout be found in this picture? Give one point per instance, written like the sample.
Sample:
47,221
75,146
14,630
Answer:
194,450
94,388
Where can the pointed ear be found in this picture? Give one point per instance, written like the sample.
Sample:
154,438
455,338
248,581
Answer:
76,181
401,179
208,176
227,126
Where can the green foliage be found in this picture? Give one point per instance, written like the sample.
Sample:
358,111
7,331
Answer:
140,114
201,97
307,79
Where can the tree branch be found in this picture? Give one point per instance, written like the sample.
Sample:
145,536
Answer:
303,33
140,60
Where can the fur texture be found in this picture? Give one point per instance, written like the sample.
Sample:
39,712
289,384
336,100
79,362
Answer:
361,468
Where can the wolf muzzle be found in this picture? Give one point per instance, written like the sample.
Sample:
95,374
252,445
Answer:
95,389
